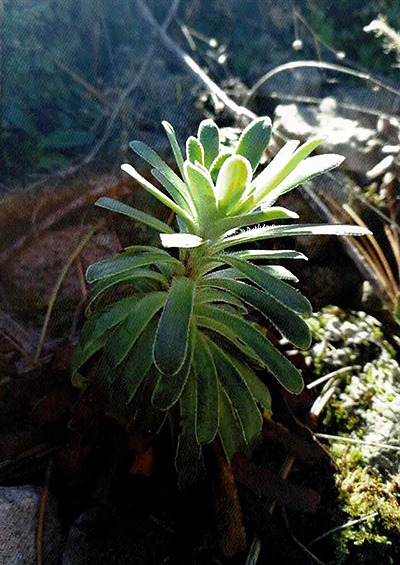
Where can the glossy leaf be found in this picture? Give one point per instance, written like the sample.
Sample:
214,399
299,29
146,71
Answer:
256,386
254,140
208,136
207,391
171,343
134,278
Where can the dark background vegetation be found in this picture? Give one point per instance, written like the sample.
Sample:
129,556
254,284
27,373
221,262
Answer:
64,65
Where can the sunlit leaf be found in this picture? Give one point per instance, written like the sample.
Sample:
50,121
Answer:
254,140
208,136
137,215
233,180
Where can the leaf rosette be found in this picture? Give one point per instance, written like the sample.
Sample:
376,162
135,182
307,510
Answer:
183,336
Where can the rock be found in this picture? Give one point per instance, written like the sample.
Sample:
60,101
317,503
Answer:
105,536
355,138
19,514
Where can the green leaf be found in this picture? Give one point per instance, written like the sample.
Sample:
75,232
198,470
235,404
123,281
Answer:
276,288
205,295
285,320
81,354
194,151
257,234
276,363
256,386
208,135
125,263
229,428
184,202
258,217
175,146
269,254
135,367
239,393
207,391
254,140
154,191
233,273
189,462
278,171
171,343
226,333
129,277
155,161
169,387
111,316
129,330
137,215
305,171
234,179
217,164
202,190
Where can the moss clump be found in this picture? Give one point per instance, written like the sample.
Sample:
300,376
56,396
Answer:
365,405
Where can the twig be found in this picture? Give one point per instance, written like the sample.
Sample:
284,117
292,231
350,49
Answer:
42,511
333,374
358,441
193,66
347,525
317,65
297,542
56,289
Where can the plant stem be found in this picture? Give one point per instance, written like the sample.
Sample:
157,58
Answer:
56,289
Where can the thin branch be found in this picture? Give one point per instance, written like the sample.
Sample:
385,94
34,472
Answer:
333,374
56,289
358,441
317,65
193,66
347,525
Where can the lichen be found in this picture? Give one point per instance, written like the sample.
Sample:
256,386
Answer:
366,405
